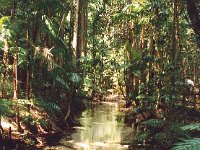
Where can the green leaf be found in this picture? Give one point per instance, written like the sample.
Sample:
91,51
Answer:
192,126
74,77
192,144
141,136
60,44
62,82
48,106
141,96
5,105
153,122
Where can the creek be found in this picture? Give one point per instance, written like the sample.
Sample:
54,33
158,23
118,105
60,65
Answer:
99,130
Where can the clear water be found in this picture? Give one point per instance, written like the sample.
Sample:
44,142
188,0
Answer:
100,130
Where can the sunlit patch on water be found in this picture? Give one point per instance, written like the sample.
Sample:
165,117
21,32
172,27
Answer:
100,145
80,128
83,145
100,130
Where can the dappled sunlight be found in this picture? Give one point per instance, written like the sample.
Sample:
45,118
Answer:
7,125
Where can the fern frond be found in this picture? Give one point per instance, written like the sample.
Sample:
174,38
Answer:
192,144
5,105
177,132
192,126
163,136
153,123
74,77
62,82
142,136
48,106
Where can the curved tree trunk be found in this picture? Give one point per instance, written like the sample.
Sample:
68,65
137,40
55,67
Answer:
192,8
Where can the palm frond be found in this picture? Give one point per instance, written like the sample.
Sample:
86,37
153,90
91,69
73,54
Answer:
192,144
60,45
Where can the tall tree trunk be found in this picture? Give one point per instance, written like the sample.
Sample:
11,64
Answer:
72,28
81,30
192,8
5,63
28,68
175,48
15,56
79,47
151,63
15,80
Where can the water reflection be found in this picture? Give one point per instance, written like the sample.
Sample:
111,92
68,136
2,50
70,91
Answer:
100,130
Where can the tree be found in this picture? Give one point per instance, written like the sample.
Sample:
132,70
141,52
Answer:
193,12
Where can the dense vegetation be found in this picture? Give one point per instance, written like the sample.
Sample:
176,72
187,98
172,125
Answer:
55,53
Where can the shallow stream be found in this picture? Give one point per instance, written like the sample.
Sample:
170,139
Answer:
99,130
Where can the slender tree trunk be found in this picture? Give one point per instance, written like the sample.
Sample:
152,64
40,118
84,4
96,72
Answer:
71,31
28,69
143,76
175,47
5,63
151,65
19,129
15,80
81,33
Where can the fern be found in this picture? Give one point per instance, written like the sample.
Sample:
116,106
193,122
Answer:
142,136
74,77
5,106
190,127
192,144
62,82
153,123
48,106
177,132
163,137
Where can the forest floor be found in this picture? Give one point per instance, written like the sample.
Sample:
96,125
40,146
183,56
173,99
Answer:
37,129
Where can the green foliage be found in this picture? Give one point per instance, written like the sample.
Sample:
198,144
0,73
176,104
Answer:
61,47
29,120
75,78
4,20
51,107
190,127
161,132
62,82
191,144
129,45
42,122
153,123
140,137
141,96
5,105
6,85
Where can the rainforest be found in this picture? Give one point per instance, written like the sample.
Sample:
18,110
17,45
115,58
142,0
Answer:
100,74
